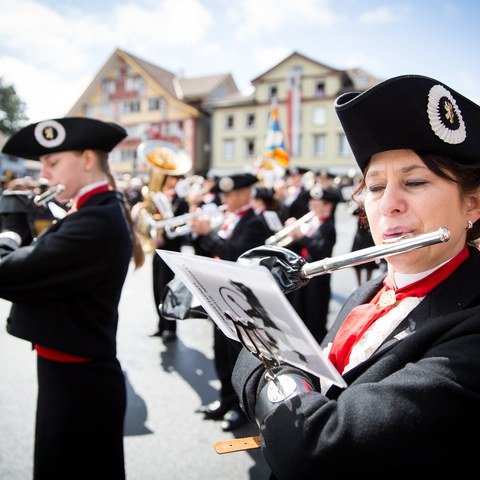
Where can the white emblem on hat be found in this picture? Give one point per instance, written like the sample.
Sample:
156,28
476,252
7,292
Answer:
445,116
50,134
316,193
226,184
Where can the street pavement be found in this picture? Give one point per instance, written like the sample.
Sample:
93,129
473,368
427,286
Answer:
164,437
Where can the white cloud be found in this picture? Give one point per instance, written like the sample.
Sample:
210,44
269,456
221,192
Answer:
256,18
384,15
167,23
41,90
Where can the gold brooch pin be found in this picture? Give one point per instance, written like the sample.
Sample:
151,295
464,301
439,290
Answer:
387,299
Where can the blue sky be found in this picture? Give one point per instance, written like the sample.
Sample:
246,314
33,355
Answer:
50,50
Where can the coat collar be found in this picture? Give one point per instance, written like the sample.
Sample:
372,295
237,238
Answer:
458,292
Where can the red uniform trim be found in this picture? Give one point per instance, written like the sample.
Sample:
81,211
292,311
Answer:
57,356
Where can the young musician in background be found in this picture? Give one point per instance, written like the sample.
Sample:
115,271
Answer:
406,345
65,288
313,243
242,230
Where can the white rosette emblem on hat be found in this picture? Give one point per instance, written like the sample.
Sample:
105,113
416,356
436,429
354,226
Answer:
445,116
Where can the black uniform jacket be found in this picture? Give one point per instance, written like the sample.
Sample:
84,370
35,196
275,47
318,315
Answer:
250,231
320,244
413,407
66,286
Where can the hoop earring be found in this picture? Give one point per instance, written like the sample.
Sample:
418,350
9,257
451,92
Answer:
469,225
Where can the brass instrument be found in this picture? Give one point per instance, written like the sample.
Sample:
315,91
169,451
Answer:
283,238
165,159
395,246
178,226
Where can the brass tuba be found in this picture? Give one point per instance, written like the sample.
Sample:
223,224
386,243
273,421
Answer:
165,159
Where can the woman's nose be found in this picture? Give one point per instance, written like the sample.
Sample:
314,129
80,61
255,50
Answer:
392,201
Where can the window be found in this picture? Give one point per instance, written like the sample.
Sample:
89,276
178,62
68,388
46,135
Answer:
131,107
319,88
126,155
107,110
249,148
343,145
272,92
229,122
250,121
319,115
319,145
228,149
153,104
134,84
90,111
109,87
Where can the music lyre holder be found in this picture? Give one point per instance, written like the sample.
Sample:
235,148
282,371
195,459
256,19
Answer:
251,338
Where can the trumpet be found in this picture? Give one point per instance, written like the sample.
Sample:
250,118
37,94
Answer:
282,238
48,195
392,247
178,226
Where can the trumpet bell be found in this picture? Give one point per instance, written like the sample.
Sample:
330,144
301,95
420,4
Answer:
167,157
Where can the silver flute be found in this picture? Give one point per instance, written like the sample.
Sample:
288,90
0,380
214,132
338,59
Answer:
395,246
48,195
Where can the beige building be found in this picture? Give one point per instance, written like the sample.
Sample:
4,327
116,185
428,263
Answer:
305,91
220,129
153,104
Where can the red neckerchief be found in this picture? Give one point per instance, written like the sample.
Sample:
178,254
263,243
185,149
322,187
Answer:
361,317
228,225
235,215
83,198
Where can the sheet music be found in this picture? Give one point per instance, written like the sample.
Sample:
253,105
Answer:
247,299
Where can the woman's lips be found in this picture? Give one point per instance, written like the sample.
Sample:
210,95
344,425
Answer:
396,232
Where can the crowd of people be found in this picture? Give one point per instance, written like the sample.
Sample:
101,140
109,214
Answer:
252,213
405,342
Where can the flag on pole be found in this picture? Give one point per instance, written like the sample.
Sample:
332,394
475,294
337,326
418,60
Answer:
275,143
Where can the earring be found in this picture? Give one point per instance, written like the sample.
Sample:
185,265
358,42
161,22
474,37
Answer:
469,225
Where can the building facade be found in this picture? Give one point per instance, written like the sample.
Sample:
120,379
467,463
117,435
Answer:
305,91
153,104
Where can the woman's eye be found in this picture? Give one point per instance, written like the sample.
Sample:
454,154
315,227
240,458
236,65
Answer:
375,188
415,183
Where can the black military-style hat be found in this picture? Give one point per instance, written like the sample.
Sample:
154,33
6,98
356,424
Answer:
414,112
294,170
234,182
62,134
263,193
327,194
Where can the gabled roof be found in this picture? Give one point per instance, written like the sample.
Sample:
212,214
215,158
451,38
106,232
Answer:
361,80
182,89
201,87
163,77
297,55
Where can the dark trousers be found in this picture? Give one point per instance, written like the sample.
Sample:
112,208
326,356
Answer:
226,352
162,274
79,421
311,302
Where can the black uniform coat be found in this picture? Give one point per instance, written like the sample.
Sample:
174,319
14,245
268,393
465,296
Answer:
250,231
412,408
65,289
161,272
312,301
